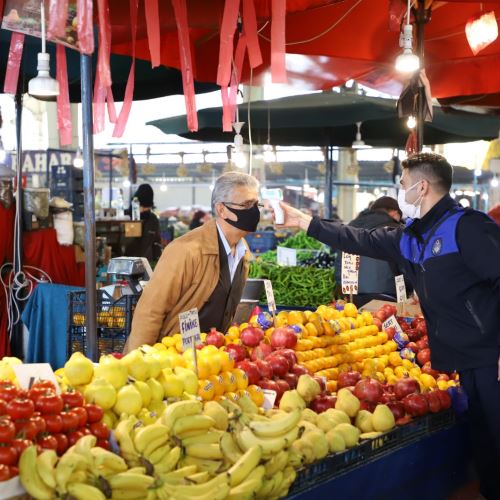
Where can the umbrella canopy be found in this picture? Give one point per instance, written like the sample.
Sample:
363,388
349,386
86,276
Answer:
149,83
330,118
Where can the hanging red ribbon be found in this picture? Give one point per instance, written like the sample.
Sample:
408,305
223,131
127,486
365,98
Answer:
153,27
111,105
181,20
252,36
84,28
13,63
58,15
63,105
227,118
226,48
278,37
104,43
121,123
99,101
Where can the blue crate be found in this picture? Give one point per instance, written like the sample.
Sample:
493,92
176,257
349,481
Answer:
261,241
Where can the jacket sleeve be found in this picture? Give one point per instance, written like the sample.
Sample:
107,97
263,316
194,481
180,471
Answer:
381,243
160,295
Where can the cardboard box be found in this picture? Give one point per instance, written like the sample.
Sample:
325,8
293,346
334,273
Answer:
133,229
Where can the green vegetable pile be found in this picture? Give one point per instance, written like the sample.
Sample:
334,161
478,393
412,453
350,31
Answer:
302,241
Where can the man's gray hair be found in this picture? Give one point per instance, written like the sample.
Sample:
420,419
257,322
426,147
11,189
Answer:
226,183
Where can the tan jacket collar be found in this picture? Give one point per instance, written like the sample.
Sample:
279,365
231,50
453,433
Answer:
211,239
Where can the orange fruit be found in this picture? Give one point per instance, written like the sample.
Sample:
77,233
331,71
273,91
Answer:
206,390
218,383
229,381
256,394
241,379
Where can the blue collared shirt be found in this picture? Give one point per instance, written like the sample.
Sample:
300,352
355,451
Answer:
232,260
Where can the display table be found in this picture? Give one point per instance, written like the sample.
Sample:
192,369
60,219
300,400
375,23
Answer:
430,468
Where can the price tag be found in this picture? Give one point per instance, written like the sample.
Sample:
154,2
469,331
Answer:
271,304
400,288
27,374
269,398
189,323
287,256
392,322
350,273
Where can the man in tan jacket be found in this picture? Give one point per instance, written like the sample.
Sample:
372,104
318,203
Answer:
206,268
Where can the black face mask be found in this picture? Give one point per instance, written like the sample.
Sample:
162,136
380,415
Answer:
248,218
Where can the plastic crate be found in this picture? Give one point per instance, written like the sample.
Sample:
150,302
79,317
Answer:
261,241
114,320
369,450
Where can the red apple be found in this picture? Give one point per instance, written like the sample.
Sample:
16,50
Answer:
268,384
445,399
434,401
251,369
215,338
369,390
423,343
279,365
283,338
389,309
414,334
380,315
391,331
251,336
397,408
427,368
262,351
415,405
322,402
290,355
405,386
237,352
366,405
424,356
413,346
282,387
265,368
291,379
346,379
377,323
300,370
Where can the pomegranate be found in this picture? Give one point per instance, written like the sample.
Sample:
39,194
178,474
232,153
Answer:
346,379
268,384
369,390
366,405
300,370
282,388
391,331
424,356
290,355
389,309
291,379
283,338
413,347
237,352
415,405
387,397
250,368
405,386
265,368
251,336
377,323
404,420
445,398
434,401
397,408
427,368
414,334
323,402
262,351
215,338
423,343
279,365
380,315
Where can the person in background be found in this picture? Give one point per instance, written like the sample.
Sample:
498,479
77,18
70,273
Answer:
149,244
199,218
206,268
376,277
451,255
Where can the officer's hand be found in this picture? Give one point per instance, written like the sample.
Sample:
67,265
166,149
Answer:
295,218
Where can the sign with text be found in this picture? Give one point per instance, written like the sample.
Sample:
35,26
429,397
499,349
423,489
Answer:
350,273
189,324
400,288
271,304
28,374
399,337
287,256
269,399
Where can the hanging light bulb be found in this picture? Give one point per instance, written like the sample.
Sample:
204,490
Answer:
239,158
269,154
43,86
126,183
163,186
494,182
481,31
407,62
411,122
478,172
358,143
78,159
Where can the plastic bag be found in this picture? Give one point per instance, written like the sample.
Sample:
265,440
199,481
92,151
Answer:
481,31
58,16
278,46
85,28
64,124
13,63
36,201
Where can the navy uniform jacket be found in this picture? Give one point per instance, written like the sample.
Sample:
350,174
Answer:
452,258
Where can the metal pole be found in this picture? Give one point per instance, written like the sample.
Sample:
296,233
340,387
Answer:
110,160
329,182
89,211
421,20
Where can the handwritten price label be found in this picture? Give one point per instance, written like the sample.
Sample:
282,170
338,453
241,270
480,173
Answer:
350,273
189,323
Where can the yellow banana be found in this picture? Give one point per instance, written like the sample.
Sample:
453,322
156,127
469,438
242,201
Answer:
211,466
84,445
192,423
130,481
124,432
247,405
212,437
208,451
198,489
219,492
145,435
246,464
126,494
267,487
248,488
170,461
29,476
81,476
82,491
108,459
155,444
45,464
230,407
276,463
159,454
199,477
276,486
182,472
137,470
178,410
276,426
270,446
67,464
229,448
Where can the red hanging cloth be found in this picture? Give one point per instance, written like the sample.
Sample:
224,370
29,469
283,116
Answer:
252,36
278,46
63,105
85,29
13,63
153,28
226,48
58,15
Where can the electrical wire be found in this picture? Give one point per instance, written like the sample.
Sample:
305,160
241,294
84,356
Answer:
250,143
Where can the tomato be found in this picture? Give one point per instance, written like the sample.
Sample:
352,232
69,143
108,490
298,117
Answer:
46,384
50,404
4,473
70,420
94,413
20,408
14,471
20,445
8,455
8,390
100,430
53,423
3,407
7,430
103,443
62,443
36,392
26,429
85,430
40,424
74,436
73,399
48,442
82,415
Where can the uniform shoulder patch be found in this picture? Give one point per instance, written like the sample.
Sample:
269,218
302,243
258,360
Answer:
437,246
